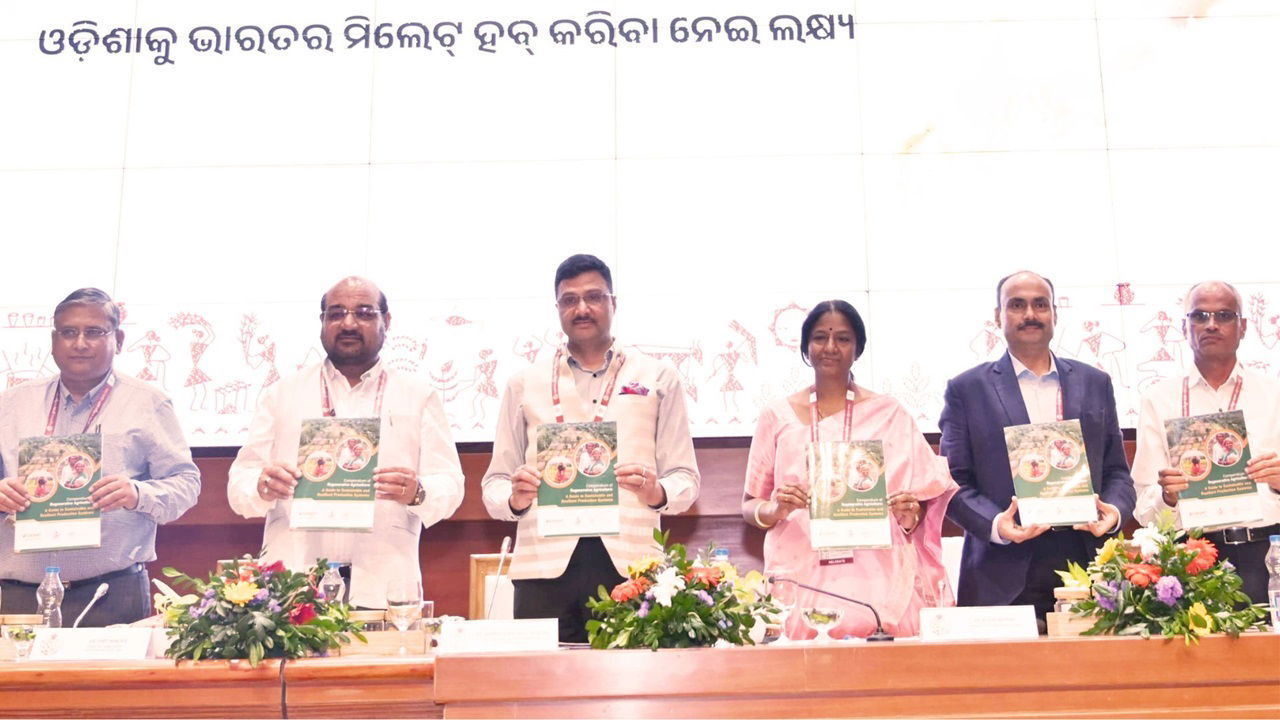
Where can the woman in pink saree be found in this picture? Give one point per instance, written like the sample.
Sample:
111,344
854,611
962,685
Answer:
898,580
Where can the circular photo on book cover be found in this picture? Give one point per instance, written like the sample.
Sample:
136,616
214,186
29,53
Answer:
593,458
1033,467
1225,448
1064,453
355,453
559,472
41,485
1194,464
75,470
319,466
864,474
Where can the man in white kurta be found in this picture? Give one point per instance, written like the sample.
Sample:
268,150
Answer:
1217,382
657,472
418,481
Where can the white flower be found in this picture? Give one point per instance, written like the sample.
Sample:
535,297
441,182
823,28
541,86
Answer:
666,585
1148,539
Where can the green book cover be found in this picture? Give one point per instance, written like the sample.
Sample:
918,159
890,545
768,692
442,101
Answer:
1211,451
848,494
846,480
60,473
337,457
1050,470
1048,460
579,490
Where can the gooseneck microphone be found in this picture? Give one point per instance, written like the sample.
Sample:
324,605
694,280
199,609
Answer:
97,595
506,548
878,636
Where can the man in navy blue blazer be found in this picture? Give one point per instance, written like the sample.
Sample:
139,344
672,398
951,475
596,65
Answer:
1004,562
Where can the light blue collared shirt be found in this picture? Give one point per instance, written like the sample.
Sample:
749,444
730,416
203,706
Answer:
1039,392
141,439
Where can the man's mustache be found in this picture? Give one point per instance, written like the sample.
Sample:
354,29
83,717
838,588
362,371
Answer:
1031,323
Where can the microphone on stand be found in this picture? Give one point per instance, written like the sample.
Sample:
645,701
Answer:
97,595
878,636
506,548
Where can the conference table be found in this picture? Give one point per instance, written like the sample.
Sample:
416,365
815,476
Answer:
1100,677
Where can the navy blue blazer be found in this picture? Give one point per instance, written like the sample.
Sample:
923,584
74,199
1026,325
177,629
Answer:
979,404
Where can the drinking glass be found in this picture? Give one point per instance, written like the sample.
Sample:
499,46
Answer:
22,637
822,619
404,605
785,595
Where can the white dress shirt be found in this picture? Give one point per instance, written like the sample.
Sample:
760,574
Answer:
414,434
1260,402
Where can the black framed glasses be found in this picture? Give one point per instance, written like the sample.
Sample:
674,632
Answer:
362,314
1223,317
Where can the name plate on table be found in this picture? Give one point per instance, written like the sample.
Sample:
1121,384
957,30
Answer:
487,636
1012,622
122,643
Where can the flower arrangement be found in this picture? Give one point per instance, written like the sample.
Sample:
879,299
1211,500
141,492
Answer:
1154,584
669,601
254,611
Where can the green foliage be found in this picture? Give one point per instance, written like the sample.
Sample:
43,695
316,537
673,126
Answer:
1123,602
233,618
672,602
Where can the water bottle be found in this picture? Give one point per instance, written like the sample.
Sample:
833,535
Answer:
720,554
49,597
332,584
1273,583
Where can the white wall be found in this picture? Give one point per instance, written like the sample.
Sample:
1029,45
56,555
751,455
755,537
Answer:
730,185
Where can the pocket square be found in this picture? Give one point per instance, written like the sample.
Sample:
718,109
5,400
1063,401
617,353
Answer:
634,389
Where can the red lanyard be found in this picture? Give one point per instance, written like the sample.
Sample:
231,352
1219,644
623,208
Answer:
849,397
601,403
326,404
1186,396
93,412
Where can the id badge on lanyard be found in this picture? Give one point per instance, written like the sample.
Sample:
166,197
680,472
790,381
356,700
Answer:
833,556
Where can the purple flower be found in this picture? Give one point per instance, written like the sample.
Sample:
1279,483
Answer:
273,607
644,609
262,595
210,592
1106,597
706,598
1168,590
198,610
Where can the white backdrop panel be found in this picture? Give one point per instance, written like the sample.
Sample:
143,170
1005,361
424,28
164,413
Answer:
1125,148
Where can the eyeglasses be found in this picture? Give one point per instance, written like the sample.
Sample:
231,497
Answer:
91,334
338,314
595,298
1201,317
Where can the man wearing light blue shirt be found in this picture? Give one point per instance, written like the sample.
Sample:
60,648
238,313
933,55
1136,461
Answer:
148,477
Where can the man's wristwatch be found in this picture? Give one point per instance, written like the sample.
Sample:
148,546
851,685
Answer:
419,496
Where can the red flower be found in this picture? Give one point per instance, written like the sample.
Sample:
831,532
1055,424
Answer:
1141,574
274,567
630,589
710,576
1205,555
302,614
